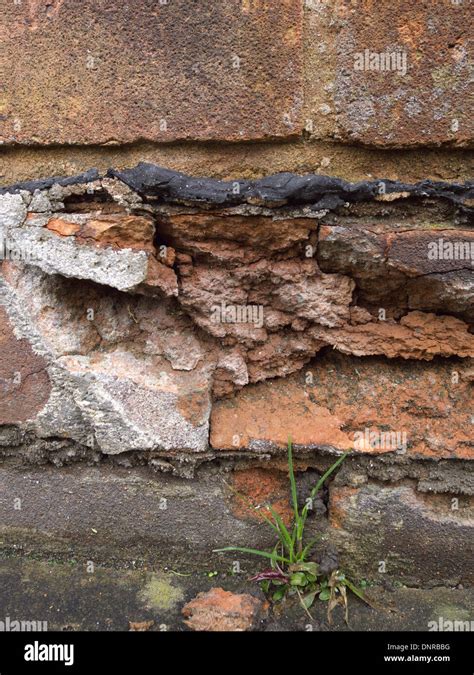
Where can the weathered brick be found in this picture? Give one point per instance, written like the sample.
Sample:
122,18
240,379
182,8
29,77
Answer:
106,72
24,381
428,269
265,415
219,610
352,403
257,489
423,98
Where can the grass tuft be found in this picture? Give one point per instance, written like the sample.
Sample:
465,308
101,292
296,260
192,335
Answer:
292,572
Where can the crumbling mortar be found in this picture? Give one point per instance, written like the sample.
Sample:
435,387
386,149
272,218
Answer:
388,469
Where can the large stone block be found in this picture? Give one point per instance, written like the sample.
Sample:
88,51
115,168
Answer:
395,532
124,513
107,72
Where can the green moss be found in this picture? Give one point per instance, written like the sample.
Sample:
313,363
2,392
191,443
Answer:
452,613
159,593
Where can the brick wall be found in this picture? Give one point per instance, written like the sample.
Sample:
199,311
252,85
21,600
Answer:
293,255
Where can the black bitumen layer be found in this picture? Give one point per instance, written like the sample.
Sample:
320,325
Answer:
318,192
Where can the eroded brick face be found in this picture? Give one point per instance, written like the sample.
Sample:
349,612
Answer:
370,406
172,330
99,72
218,610
256,490
24,382
143,303
404,72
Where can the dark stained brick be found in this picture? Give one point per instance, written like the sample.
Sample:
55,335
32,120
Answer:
105,71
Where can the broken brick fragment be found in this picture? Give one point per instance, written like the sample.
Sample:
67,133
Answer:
219,610
255,490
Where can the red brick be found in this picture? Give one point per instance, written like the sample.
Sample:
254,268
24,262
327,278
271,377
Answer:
219,610
430,403
24,381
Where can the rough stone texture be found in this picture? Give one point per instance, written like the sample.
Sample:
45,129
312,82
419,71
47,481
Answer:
124,269
418,335
100,243
148,70
408,278
420,538
163,330
219,610
246,69
120,376
420,102
12,210
336,397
